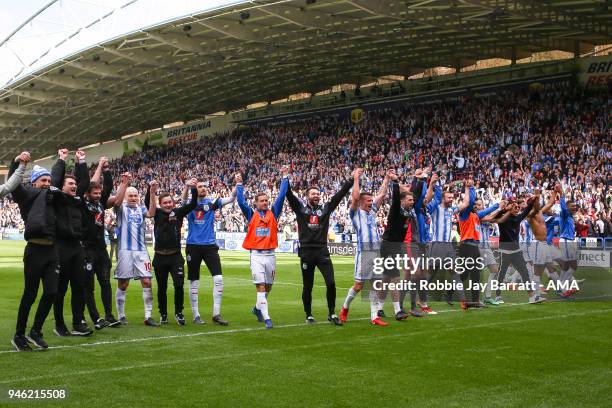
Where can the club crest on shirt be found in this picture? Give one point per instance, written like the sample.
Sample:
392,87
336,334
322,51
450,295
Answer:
135,217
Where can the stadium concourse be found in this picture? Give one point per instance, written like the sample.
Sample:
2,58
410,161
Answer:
510,143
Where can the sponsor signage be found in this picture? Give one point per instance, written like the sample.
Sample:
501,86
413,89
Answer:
596,72
597,259
342,249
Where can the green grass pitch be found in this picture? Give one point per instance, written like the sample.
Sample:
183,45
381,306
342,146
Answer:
552,355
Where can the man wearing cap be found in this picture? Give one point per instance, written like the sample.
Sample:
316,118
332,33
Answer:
36,204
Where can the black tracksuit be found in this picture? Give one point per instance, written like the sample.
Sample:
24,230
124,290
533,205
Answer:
313,225
168,259
40,261
69,226
97,261
509,248
399,222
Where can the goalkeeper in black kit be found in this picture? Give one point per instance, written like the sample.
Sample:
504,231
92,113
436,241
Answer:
313,223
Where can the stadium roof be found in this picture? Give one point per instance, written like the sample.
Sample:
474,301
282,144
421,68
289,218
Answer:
228,56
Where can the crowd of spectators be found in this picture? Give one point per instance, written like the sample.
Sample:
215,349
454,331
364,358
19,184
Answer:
510,143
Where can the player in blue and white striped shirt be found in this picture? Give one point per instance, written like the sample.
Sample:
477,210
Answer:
363,215
133,261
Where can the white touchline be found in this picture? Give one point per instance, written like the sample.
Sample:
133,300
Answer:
245,354
210,333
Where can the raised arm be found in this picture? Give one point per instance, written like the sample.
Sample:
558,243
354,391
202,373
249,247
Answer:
228,200
335,200
536,203
432,191
504,216
152,207
294,202
193,203
58,170
483,213
118,199
490,217
185,194
107,187
564,211
16,175
244,206
382,191
355,193
469,197
430,195
395,197
527,210
547,209
81,173
278,203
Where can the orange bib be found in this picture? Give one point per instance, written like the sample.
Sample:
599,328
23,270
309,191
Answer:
262,232
470,228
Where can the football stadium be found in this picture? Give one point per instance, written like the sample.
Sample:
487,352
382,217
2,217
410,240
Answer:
304,203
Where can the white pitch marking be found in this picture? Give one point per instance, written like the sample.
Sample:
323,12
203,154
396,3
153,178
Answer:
358,339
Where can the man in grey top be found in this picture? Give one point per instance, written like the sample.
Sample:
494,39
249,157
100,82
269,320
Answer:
17,177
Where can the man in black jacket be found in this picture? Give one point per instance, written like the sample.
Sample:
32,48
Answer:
97,261
69,227
401,224
168,259
36,204
313,224
509,222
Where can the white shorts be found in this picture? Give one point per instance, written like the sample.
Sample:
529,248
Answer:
526,250
540,253
364,265
487,256
133,265
263,268
570,250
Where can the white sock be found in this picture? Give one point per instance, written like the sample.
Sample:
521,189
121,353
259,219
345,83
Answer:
396,307
537,281
193,297
381,304
373,305
570,272
349,298
554,276
530,271
262,305
492,277
217,294
120,302
565,275
147,297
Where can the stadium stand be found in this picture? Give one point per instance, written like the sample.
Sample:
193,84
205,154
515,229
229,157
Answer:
510,143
